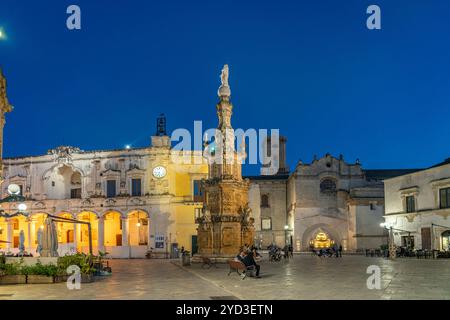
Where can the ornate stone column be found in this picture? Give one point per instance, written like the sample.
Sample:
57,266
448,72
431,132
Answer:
9,234
101,234
75,236
28,249
125,232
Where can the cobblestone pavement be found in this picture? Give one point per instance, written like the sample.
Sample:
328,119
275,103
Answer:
131,279
311,277
305,277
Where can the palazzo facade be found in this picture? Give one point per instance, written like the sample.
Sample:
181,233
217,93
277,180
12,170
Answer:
135,199
418,208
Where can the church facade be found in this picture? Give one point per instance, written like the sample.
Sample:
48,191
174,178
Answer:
319,204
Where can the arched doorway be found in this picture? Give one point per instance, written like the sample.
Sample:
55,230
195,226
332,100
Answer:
113,228
138,228
321,240
66,230
445,240
83,231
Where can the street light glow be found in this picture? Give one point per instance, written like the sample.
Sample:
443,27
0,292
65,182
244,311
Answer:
22,207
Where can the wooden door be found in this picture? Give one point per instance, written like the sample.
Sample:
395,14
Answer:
426,238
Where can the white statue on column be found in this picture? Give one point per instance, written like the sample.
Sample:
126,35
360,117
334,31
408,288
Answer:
224,89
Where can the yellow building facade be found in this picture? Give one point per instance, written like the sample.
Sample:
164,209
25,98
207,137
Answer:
136,199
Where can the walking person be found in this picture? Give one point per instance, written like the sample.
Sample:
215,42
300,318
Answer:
340,250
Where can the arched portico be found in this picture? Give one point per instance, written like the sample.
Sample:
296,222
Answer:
82,233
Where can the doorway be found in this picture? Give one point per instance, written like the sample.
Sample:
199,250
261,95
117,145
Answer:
194,245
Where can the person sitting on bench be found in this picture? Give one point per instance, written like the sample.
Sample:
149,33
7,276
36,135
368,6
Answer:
249,261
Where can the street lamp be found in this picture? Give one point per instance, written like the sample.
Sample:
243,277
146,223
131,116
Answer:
14,196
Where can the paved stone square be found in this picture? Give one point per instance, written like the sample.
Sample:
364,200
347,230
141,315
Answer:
304,277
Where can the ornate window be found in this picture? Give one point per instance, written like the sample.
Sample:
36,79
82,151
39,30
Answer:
410,204
265,201
444,198
328,186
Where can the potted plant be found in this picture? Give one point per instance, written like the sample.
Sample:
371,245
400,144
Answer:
81,260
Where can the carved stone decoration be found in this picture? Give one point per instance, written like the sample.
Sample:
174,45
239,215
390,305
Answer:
110,202
63,154
87,203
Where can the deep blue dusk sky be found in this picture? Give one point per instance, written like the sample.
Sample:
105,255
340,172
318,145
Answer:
310,68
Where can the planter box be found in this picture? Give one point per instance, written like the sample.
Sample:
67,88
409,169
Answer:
13,279
39,279
61,278
87,278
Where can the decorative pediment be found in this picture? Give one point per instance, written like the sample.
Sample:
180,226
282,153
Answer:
409,190
63,154
137,202
111,172
440,183
39,205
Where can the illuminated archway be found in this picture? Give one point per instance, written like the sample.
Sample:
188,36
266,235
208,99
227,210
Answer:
66,231
3,233
138,224
19,223
83,230
113,228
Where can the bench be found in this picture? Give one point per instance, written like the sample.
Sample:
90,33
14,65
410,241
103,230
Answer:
239,266
207,262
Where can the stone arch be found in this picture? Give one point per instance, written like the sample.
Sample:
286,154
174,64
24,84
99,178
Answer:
109,210
58,181
138,227
82,230
313,230
112,226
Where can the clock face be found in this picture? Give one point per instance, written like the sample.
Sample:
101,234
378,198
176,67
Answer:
159,172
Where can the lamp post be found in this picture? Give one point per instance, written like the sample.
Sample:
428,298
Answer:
14,196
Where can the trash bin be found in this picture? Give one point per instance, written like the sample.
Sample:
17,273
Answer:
186,258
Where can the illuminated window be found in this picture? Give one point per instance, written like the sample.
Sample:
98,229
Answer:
266,224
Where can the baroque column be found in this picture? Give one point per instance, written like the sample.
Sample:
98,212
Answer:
225,225
9,234
101,234
124,232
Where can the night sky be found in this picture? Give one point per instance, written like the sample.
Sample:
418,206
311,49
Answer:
310,68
